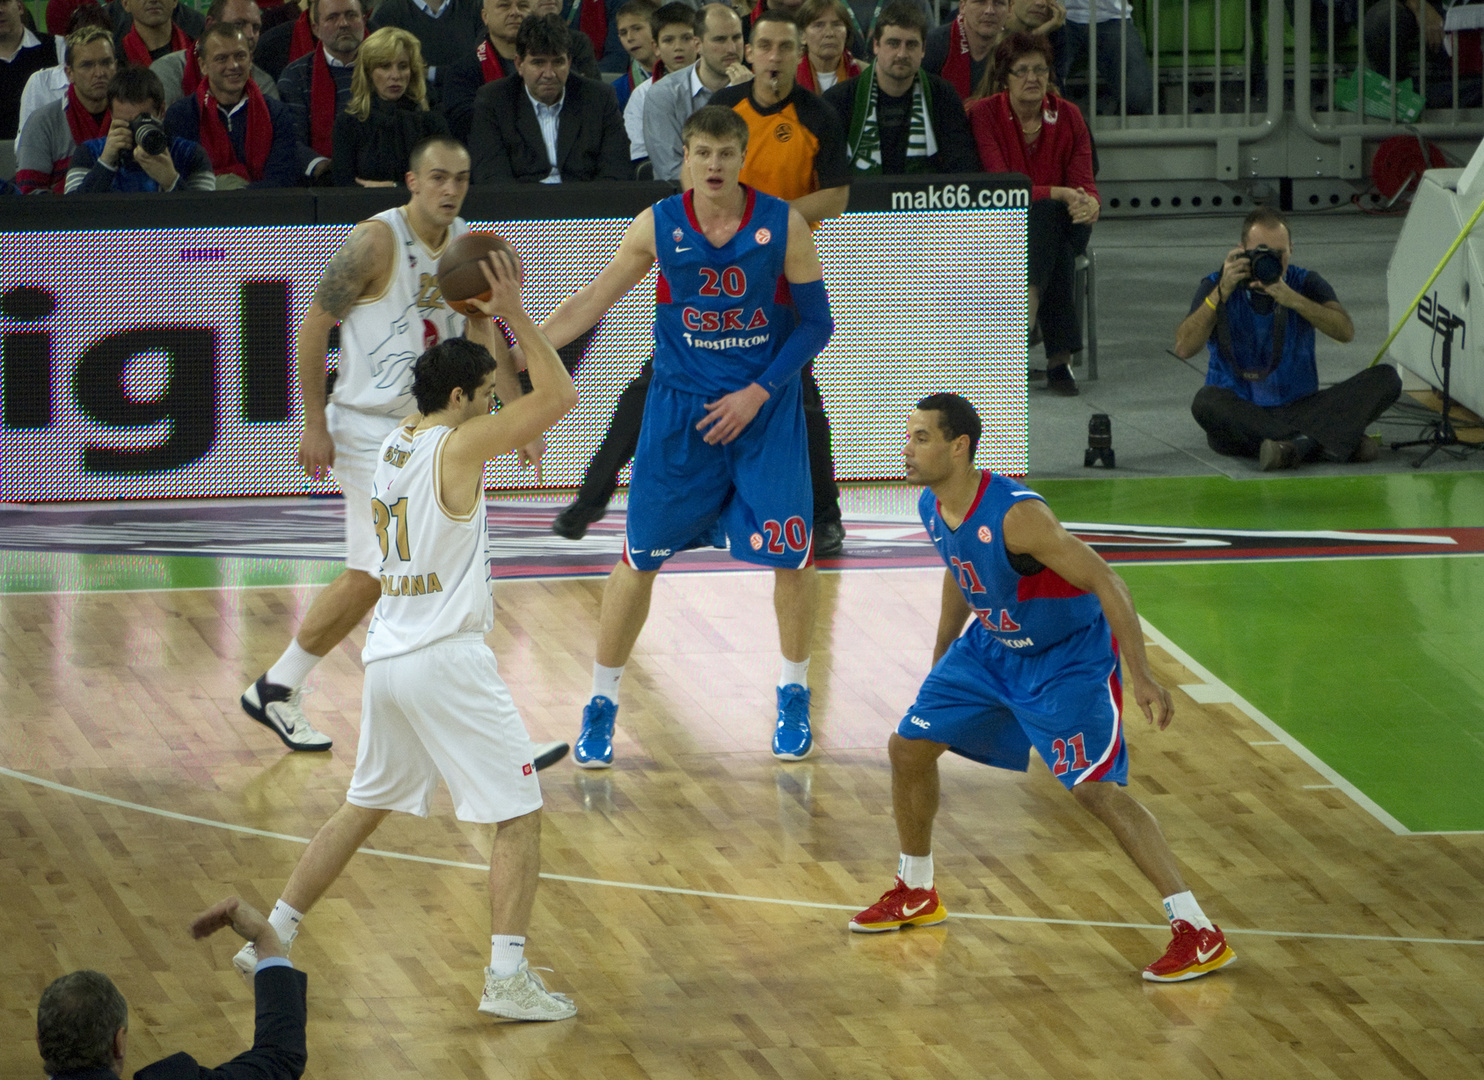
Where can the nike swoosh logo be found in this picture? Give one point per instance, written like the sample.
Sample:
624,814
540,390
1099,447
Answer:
1202,956
911,911
680,249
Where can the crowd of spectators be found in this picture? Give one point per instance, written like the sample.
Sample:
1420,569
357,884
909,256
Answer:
293,92
258,94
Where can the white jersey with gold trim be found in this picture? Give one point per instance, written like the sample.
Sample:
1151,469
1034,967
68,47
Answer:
381,336
435,579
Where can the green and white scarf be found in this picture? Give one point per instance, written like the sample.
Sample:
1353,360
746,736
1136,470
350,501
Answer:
865,127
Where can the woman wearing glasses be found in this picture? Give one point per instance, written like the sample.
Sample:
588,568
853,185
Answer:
1026,127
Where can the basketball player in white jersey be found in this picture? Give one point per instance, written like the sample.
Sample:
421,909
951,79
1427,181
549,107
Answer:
434,703
382,288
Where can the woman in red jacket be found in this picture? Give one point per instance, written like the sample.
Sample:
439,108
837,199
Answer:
1027,128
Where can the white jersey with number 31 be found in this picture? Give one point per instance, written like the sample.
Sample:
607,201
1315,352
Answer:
435,580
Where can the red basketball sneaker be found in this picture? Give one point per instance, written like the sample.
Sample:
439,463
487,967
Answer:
900,906
1191,954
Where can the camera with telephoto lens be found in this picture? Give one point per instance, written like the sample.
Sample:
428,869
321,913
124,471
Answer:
1267,264
149,135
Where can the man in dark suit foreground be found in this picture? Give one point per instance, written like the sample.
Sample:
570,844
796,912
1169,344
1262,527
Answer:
82,1022
544,124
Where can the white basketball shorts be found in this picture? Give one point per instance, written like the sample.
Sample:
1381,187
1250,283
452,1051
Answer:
443,710
358,437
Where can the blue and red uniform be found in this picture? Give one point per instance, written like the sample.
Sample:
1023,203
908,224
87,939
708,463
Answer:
721,316
1038,666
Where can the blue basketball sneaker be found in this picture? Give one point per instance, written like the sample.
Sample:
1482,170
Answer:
594,749
792,740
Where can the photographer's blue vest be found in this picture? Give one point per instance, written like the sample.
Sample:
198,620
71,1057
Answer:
1252,349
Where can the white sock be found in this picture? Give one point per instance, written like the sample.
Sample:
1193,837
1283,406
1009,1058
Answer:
1183,906
506,952
605,681
794,673
285,922
916,871
293,667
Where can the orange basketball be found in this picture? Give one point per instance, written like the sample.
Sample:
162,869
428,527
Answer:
459,276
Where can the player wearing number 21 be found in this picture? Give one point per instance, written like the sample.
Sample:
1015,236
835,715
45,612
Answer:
1038,667
740,308
433,703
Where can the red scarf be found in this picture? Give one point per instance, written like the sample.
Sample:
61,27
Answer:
81,123
191,77
591,17
136,51
218,144
491,61
958,69
303,40
321,104
848,68
658,73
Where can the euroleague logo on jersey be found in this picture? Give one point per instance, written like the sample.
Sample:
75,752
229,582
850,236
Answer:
984,534
756,540
762,236
783,132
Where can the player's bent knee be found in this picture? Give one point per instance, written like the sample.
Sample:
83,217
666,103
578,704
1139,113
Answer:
908,752
1098,796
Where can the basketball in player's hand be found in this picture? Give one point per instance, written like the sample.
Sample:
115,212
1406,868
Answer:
459,276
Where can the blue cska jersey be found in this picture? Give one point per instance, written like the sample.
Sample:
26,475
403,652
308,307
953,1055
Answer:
1026,613
721,314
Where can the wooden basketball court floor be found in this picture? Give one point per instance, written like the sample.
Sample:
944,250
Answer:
696,897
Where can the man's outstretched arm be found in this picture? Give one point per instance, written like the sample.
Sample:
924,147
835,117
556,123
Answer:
581,311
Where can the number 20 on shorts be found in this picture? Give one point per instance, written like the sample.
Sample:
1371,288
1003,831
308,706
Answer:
792,535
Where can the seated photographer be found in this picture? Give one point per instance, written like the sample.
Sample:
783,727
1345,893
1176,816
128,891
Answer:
82,1021
1257,316
138,153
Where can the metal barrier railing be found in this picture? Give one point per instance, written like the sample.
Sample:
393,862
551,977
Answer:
1213,52
1459,117
1223,126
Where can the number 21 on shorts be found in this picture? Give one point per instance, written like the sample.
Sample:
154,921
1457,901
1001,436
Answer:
1079,762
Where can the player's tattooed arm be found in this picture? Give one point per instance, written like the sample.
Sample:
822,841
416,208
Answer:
363,258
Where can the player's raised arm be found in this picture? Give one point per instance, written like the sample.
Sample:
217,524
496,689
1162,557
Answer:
955,611
365,258
552,394
1031,528
581,311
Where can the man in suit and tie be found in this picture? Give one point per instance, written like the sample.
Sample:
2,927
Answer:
545,124
82,1021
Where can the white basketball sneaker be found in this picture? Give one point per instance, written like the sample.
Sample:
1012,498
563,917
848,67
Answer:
523,996
280,709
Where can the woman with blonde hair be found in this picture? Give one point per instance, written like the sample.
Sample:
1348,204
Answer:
825,26
387,114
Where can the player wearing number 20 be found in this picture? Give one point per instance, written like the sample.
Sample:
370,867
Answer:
1037,667
740,308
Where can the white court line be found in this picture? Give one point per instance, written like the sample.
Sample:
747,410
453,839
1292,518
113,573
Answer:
704,894
1361,799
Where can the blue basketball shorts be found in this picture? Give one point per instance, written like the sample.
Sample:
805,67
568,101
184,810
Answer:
756,486
992,705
